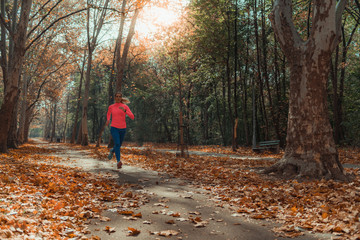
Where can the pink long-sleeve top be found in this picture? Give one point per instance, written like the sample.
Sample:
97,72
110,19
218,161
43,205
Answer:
118,115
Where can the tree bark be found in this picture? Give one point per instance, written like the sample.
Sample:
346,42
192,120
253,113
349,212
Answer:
310,150
23,107
11,92
12,134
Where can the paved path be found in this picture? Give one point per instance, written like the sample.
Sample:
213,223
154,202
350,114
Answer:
168,197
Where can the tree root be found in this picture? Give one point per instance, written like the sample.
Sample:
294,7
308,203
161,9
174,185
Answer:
299,170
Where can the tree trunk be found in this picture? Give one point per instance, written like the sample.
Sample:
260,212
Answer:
79,135
53,127
234,142
245,87
47,126
91,47
338,91
84,125
181,124
121,63
228,79
73,134
110,84
11,83
23,107
66,118
28,120
188,115
221,113
310,150
274,117
258,75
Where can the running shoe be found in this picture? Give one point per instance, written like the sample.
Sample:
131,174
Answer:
119,164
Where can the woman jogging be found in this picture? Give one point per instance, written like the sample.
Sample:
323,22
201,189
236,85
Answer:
117,113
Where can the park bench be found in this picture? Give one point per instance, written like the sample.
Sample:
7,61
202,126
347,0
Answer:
273,145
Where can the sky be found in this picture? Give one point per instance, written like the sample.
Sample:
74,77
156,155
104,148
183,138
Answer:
153,18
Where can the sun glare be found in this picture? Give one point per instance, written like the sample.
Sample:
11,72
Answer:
154,18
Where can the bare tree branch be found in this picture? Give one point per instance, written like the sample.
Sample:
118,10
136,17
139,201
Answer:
3,22
43,18
43,83
52,24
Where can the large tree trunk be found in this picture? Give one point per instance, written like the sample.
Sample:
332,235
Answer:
11,83
310,150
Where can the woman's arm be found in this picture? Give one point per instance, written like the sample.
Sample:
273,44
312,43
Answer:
129,113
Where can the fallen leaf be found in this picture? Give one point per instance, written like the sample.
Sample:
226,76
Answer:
109,229
170,222
138,215
133,232
126,212
168,233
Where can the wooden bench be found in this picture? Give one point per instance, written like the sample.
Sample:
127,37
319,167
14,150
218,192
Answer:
273,145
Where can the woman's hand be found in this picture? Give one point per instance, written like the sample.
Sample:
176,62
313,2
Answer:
122,108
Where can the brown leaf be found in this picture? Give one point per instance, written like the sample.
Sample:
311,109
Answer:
109,229
133,232
126,212
137,215
168,233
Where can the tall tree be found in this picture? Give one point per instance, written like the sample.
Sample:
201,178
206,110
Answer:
16,39
92,42
120,59
12,67
310,149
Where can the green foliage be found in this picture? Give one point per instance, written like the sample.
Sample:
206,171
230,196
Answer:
352,110
191,67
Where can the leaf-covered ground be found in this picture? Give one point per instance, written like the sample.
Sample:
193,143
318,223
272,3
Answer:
42,200
316,206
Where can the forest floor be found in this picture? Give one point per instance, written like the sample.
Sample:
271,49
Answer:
64,191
